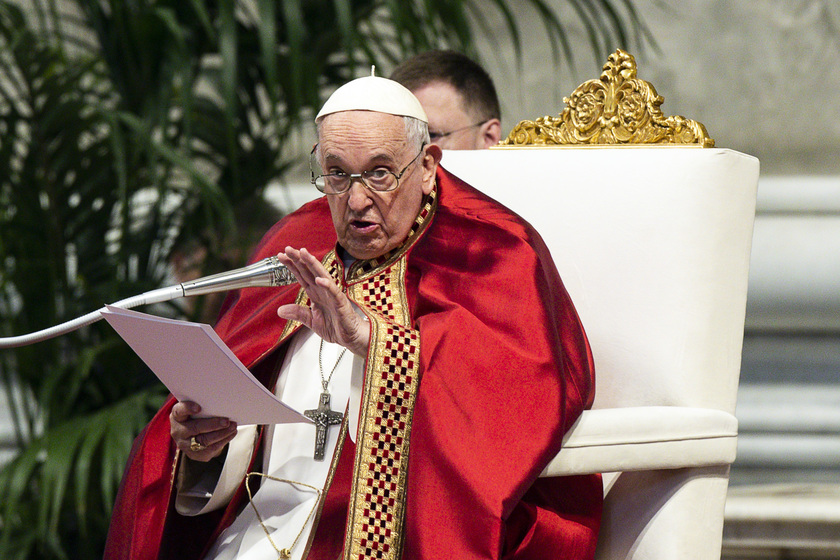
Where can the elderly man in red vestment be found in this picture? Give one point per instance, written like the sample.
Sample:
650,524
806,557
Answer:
432,343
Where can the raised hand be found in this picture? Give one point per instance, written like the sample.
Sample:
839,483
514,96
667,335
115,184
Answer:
329,313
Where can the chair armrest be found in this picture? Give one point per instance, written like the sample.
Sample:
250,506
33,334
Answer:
646,438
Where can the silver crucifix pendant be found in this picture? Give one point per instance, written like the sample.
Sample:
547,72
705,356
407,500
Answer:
324,417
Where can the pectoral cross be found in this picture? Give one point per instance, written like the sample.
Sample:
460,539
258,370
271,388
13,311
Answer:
324,417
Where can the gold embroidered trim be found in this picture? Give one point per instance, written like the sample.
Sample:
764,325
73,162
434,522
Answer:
377,509
377,503
173,472
617,108
384,293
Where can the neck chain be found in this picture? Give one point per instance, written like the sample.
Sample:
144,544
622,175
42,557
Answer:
324,416
326,382
282,553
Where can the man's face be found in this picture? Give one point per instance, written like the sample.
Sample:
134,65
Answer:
369,224
445,109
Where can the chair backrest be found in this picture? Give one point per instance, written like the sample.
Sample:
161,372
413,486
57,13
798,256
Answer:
653,245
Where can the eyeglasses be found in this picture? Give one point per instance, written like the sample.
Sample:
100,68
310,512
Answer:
435,136
378,180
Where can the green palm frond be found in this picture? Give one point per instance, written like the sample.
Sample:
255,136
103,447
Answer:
77,464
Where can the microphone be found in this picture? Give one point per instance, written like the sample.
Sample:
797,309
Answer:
268,272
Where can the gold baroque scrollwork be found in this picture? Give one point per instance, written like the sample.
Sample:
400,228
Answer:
617,108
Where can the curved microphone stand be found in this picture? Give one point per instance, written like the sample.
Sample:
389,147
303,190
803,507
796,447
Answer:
265,273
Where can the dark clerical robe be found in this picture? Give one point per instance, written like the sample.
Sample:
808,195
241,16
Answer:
478,365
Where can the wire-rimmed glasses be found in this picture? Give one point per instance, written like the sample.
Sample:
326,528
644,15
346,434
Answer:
379,179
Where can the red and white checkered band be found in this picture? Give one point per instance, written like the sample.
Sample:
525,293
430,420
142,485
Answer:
376,294
377,504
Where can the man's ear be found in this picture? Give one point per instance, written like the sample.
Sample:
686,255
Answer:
430,161
491,132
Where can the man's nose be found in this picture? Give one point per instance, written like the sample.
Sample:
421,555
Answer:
358,195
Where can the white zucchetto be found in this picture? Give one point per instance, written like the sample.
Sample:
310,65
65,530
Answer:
372,93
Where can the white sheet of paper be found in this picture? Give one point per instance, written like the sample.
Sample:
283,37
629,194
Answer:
196,365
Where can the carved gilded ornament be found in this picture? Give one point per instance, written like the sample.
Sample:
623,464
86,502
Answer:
617,108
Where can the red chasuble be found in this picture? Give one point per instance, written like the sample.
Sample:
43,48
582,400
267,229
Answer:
478,365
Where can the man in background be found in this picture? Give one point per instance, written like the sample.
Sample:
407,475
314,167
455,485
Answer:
458,96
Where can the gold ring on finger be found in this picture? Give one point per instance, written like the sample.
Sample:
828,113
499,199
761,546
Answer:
195,445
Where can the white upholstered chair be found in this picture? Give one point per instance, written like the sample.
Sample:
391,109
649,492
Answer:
653,245
651,229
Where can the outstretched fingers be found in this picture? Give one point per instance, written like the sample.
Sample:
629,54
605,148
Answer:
329,314
293,259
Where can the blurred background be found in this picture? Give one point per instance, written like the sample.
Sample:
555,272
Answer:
143,142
